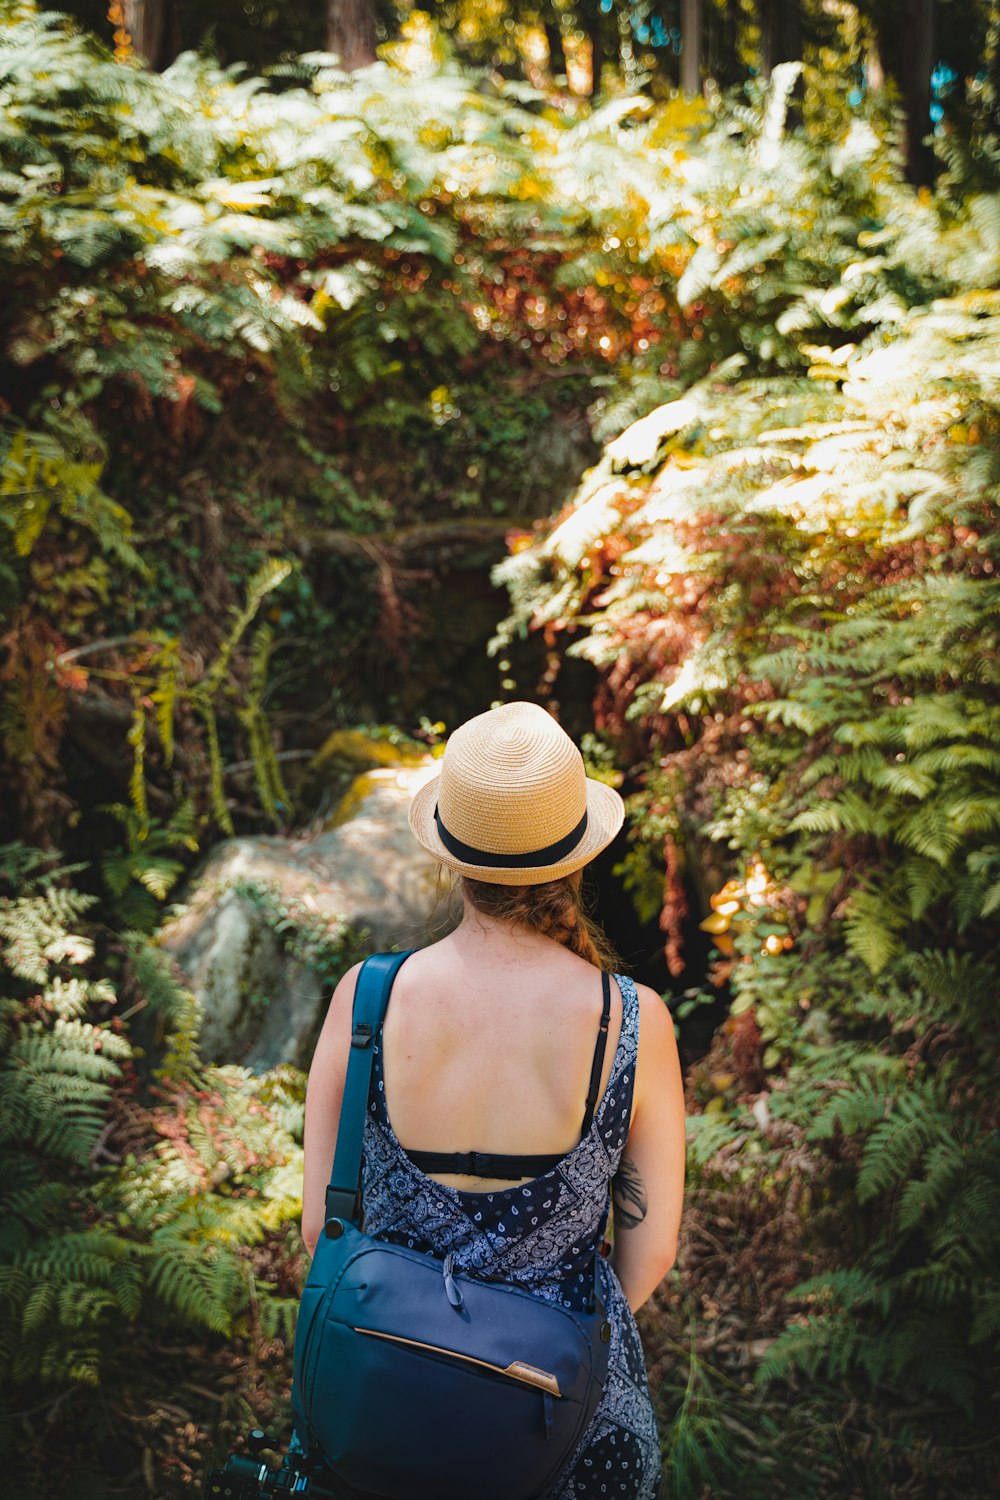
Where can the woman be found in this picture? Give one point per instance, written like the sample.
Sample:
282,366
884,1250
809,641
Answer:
512,1082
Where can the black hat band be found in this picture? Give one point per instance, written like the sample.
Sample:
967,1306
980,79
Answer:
550,855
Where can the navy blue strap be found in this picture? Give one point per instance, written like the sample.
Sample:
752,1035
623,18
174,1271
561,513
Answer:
371,997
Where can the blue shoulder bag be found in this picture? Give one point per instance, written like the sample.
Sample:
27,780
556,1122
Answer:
413,1379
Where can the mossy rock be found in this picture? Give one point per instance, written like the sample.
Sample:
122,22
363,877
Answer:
246,935
344,756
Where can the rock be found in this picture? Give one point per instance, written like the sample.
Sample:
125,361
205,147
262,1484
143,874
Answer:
341,759
270,923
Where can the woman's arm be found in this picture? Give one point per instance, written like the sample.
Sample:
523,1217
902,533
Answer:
323,1099
648,1189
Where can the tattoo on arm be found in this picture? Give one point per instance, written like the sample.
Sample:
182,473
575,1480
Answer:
628,1195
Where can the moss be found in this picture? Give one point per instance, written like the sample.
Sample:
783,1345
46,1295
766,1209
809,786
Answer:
342,759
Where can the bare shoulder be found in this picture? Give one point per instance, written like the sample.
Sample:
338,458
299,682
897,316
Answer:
656,1024
342,999
658,1064
346,985
335,1033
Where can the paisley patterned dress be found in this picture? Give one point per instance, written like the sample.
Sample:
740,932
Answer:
540,1235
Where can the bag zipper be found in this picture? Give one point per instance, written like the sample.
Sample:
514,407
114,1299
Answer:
542,1380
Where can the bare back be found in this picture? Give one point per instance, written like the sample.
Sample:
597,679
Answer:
488,1046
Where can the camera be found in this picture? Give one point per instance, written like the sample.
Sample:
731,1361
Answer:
247,1476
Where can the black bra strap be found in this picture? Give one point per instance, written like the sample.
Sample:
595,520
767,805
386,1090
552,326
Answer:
482,1163
488,1163
597,1068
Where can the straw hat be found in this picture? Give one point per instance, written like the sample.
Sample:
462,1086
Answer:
513,804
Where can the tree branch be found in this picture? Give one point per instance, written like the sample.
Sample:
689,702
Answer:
431,536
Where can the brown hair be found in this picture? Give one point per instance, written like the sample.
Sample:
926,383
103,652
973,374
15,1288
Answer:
555,909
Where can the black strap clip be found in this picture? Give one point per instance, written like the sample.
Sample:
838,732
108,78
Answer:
362,1035
473,1163
343,1203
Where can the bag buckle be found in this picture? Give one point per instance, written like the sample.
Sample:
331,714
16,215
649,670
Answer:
362,1034
342,1203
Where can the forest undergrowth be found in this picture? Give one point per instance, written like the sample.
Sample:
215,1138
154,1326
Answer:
788,585
276,351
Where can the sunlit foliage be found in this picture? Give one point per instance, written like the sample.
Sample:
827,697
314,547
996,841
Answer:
236,314
786,577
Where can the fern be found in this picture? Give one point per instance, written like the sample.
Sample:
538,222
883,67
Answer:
98,1254
852,1108
872,928
895,1144
197,1283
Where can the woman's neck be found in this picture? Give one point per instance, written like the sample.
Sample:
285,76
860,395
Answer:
479,934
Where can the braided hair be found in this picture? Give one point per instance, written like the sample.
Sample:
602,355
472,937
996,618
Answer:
554,909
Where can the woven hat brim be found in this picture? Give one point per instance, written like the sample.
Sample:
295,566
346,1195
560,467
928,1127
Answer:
605,816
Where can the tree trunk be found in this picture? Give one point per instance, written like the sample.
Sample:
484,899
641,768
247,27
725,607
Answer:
780,33
691,46
917,63
154,26
557,54
594,31
350,32
731,69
